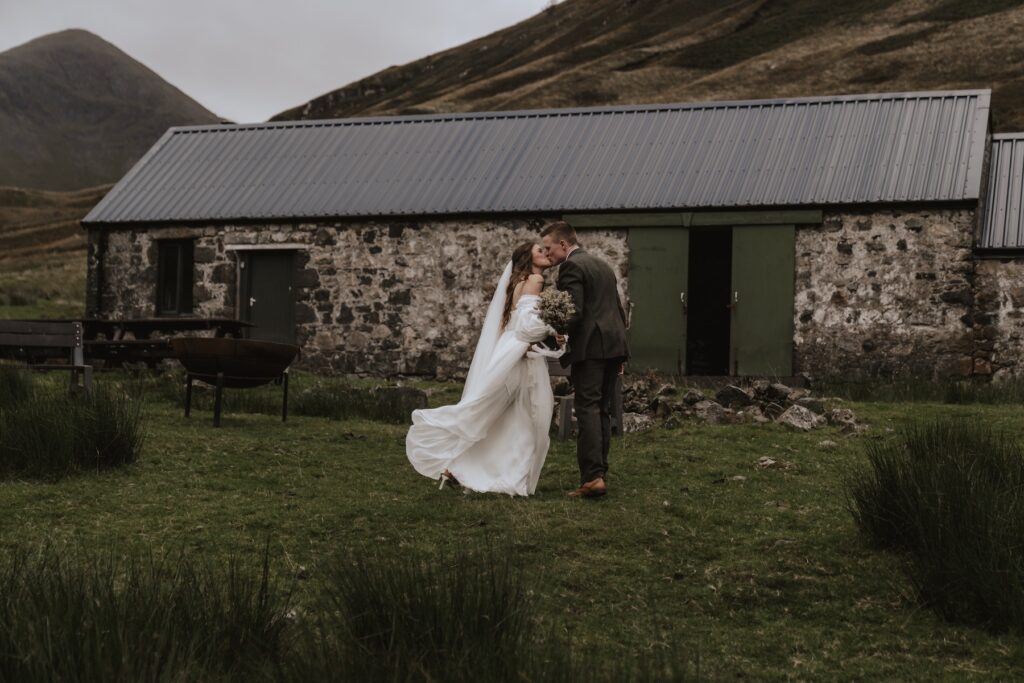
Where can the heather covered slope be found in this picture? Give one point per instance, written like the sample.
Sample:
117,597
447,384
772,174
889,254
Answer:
76,112
588,52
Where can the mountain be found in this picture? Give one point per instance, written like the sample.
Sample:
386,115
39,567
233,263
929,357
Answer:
591,52
76,112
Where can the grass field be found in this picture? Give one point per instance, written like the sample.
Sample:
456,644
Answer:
758,572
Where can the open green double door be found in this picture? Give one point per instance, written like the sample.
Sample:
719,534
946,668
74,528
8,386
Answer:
712,301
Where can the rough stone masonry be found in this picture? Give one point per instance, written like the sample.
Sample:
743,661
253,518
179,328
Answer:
376,298
878,293
881,294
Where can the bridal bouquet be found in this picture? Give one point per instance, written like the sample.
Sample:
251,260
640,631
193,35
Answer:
555,309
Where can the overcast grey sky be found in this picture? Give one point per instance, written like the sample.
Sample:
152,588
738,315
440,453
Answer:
248,60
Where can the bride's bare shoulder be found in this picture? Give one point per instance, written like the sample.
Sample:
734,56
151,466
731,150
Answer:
534,283
531,285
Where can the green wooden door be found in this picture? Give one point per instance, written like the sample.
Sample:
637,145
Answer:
267,300
658,264
762,305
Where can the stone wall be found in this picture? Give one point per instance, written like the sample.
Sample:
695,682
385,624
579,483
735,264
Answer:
999,317
127,286
887,293
371,297
878,294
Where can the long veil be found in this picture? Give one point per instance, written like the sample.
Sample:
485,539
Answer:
489,335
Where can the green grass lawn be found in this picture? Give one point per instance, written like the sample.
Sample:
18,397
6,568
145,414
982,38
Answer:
760,572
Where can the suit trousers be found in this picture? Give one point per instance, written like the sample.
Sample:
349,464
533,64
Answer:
593,381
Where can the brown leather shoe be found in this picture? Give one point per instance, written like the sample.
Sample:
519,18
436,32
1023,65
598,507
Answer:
592,489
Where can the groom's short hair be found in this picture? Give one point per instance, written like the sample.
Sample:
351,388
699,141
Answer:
560,230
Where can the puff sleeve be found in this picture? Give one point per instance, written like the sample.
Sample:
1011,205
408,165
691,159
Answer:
530,328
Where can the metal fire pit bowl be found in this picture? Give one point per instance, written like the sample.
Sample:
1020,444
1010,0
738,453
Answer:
243,362
233,363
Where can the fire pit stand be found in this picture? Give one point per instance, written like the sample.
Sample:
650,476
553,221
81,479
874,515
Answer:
218,381
233,363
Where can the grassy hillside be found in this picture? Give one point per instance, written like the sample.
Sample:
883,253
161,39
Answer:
76,112
589,52
42,252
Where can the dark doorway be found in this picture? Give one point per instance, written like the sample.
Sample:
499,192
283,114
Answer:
710,288
266,299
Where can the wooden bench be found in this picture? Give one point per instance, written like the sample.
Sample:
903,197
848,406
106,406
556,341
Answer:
30,341
567,402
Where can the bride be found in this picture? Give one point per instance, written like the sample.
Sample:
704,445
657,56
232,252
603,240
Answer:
496,437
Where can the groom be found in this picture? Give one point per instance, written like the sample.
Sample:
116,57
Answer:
597,349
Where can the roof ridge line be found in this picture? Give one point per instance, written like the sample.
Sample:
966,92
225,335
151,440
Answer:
576,111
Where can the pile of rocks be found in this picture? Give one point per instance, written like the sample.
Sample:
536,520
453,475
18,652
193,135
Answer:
760,402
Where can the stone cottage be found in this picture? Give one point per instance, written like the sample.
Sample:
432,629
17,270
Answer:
826,236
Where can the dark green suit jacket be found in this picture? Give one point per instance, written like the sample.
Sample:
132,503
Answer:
598,328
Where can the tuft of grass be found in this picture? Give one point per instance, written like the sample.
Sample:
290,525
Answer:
882,390
461,617
950,494
15,384
88,616
413,617
104,616
915,390
339,399
333,399
169,386
52,434
1010,391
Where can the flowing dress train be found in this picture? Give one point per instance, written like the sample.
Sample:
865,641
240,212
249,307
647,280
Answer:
495,439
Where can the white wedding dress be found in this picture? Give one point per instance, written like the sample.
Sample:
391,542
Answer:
495,439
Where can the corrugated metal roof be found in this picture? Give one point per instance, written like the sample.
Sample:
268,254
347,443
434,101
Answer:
1002,221
896,147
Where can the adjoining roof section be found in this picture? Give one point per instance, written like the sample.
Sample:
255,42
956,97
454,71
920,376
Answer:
1002,221
896,147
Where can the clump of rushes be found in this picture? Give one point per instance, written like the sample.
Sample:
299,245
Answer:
950,494
460,617
52,434
15,384
102,617
1008,391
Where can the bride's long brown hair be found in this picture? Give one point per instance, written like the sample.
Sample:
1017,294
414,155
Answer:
522,266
